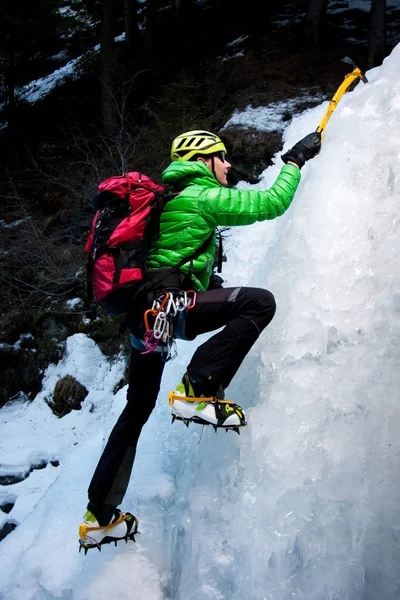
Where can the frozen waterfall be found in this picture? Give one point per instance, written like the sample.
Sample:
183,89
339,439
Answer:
304,504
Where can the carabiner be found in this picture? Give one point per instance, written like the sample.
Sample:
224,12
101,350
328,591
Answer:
159,325
181,301
151,311
159,301
191,305
171,305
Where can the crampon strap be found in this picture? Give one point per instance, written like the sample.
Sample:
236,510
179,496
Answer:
212,399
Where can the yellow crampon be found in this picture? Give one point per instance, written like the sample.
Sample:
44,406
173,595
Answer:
202,402
87,542
345,86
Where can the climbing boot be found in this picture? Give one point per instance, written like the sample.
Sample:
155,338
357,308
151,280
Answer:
190,402
92,535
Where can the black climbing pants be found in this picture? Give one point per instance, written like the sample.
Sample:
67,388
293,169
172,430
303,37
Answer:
243,313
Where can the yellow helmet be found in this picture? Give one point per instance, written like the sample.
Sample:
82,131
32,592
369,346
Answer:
188,144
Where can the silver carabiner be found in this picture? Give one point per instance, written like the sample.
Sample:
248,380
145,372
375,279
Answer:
171,307
181,301
166,333
158,301
159,325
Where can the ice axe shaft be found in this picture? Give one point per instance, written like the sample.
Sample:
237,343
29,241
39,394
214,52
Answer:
344,87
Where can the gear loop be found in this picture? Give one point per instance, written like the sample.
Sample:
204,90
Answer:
165,307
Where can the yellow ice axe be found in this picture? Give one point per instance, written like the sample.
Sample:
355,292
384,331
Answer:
346,85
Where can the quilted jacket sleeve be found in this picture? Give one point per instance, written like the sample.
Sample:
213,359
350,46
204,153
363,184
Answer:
232,207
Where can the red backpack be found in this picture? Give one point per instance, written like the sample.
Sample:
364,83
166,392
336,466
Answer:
128,210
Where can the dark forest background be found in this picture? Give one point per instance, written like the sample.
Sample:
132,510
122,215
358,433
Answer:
144,72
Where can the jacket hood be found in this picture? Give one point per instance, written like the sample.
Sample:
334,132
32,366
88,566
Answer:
186,172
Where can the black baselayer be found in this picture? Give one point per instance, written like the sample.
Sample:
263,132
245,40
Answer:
244,312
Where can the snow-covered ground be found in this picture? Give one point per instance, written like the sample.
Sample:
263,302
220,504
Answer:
304,503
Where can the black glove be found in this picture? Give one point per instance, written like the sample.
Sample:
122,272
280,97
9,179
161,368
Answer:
307,148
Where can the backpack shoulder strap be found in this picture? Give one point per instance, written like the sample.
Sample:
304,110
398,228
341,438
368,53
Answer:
161,275
90,303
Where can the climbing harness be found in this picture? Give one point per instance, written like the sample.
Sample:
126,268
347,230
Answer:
347,85
164,322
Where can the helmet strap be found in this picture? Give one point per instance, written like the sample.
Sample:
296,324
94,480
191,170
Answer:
213,167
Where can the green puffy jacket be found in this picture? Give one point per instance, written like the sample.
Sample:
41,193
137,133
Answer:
202,205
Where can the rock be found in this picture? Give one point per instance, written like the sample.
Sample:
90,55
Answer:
68,395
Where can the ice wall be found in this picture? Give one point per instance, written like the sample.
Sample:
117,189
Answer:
304,504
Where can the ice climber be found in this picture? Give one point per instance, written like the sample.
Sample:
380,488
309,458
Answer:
198,172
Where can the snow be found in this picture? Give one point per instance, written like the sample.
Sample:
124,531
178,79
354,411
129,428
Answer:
74,303
39,88
19,342
13,224
237,41
273,117
304,503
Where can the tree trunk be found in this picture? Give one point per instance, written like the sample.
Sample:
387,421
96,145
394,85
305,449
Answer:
377,33
10,80
315,15
107,62
132,34
151,32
